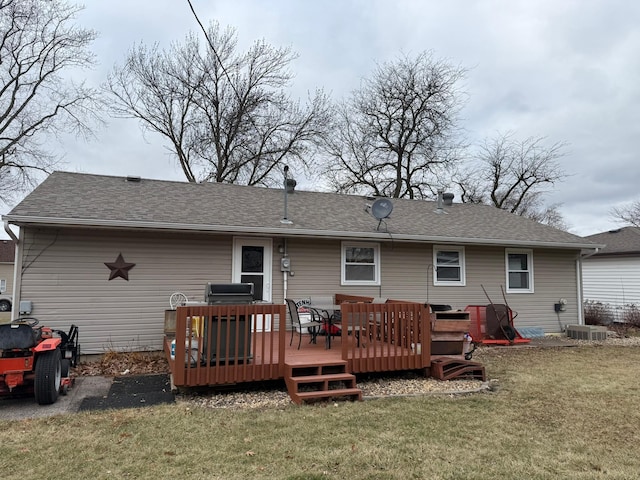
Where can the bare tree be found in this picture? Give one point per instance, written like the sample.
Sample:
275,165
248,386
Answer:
396,133
39,43
629,214
226,115
513,175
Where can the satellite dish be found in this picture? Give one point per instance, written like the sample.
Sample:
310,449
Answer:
381,208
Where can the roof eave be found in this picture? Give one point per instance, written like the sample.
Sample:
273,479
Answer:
284,230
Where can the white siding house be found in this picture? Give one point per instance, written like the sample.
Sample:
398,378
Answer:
611,277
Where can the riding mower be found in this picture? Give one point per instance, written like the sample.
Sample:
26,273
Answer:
37,359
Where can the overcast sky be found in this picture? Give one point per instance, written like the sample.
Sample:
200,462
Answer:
565,70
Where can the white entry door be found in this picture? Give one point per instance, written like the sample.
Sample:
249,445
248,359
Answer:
252,263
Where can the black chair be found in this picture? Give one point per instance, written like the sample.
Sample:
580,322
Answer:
298,324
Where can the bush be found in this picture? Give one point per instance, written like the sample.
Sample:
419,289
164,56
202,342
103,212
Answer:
597,313
631,315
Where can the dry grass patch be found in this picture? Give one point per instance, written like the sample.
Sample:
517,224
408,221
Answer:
559,413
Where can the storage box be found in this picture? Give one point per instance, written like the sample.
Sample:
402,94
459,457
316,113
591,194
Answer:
450,321
170,322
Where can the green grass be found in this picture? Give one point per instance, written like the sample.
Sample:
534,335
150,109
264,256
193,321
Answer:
570,413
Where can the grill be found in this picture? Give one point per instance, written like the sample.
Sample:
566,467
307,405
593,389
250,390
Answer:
228,328
228,293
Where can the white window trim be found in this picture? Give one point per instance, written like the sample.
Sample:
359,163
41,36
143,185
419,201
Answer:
376,260
529,254
461,256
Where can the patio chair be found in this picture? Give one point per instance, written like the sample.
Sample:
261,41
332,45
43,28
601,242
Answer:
298,323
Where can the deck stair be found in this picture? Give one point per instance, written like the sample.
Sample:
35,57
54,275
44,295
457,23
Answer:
316,382
449,368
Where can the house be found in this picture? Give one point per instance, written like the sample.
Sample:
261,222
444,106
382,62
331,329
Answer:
7,254
106,253
611,276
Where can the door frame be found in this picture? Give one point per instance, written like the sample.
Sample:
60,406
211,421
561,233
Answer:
267,244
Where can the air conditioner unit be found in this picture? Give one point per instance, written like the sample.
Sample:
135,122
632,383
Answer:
587,332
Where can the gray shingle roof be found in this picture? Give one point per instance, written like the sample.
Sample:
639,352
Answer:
622,241
104,201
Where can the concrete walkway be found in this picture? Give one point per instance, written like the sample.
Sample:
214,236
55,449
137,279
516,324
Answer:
93,393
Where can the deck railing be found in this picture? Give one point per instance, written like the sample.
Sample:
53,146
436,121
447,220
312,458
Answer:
215,344
386,337
219,344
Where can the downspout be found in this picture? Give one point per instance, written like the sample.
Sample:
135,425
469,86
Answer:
17,276
580,285
285,274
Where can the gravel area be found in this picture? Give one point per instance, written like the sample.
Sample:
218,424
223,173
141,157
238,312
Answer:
403,384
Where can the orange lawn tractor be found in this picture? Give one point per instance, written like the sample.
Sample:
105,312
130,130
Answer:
36,359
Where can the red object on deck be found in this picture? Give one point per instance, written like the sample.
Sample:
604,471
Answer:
487,330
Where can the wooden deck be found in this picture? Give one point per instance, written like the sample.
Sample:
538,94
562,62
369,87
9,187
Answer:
228,346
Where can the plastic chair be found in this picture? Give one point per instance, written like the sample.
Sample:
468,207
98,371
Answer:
298,324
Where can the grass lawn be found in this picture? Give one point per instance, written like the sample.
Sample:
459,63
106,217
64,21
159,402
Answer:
563,413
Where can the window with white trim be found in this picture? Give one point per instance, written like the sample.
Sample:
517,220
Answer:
519,263
360,263
448,266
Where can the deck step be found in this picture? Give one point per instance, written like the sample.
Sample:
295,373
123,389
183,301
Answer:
315,382
352,393
450,368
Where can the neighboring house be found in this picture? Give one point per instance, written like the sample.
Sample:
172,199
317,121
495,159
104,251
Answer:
612,275
106,253
7,256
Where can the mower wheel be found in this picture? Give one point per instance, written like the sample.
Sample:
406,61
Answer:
48,377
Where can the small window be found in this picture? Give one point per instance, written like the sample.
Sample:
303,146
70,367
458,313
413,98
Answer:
3,285
360,264
519,271
448,265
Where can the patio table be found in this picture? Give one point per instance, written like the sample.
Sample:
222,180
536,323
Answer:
328,309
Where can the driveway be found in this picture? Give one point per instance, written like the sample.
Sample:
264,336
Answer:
94,393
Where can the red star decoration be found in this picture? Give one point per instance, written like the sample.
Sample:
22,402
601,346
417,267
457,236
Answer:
120,268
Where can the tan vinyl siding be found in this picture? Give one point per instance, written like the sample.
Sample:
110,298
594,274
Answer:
405,268
6,274
65,277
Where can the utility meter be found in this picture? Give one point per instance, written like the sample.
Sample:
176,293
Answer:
285,264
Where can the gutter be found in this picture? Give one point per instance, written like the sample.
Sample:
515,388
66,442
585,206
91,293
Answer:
282,230
10,232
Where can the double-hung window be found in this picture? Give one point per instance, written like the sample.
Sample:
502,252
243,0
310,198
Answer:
519,265
448,265
360,263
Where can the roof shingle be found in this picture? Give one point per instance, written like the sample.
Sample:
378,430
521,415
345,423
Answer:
96,200
621,241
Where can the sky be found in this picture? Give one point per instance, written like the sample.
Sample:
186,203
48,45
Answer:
565,70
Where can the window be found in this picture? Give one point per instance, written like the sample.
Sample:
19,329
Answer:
3,285
448,264
519,271
360,264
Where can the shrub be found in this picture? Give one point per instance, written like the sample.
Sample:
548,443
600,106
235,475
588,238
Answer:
632,315
597,313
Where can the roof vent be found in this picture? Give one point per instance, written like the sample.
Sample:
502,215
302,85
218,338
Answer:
440,209
447,198
133,179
